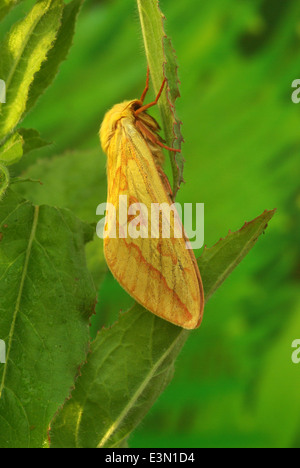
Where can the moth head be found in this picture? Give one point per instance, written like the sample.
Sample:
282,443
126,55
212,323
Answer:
113,117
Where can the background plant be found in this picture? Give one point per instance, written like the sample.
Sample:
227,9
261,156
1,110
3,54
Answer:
242,136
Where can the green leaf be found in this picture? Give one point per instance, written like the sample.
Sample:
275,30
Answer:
4,180
218,262
162,63
31,140
47,297
75,180
66,180
119,384
12,150
132,362
6,6
57,54
22,52
18,144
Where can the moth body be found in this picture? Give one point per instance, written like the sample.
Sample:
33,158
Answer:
159,273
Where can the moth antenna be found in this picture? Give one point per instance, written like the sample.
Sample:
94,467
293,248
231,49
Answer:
153,138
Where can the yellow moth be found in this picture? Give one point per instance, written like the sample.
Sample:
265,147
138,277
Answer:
159,272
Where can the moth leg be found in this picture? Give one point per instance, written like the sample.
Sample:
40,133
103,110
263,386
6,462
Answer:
151,104
147,85
153,138
159,143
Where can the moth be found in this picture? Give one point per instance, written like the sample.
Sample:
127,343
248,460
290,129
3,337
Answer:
158,271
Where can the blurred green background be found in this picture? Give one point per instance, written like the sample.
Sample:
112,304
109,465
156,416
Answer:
235,384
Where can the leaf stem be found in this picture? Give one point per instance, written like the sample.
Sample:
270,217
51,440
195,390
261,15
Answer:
162,64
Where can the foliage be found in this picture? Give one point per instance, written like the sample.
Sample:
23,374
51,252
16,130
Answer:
241,149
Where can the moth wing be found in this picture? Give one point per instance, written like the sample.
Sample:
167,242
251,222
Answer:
159,273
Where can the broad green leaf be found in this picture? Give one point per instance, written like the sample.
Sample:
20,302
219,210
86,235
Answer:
12,150
22,52
47,297
6,6
76,181
230,252
162,63
31,140
132,362
57,54
129,366
18,144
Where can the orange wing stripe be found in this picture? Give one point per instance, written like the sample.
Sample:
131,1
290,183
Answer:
158,276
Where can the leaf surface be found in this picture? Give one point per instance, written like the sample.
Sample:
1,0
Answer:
47,297
59,52
77,181
22,53
6,6
219,261
12,150
31,140
132,362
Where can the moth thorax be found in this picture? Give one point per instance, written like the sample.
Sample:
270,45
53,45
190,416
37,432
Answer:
110,122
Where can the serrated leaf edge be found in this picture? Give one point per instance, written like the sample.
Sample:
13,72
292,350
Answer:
243,252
